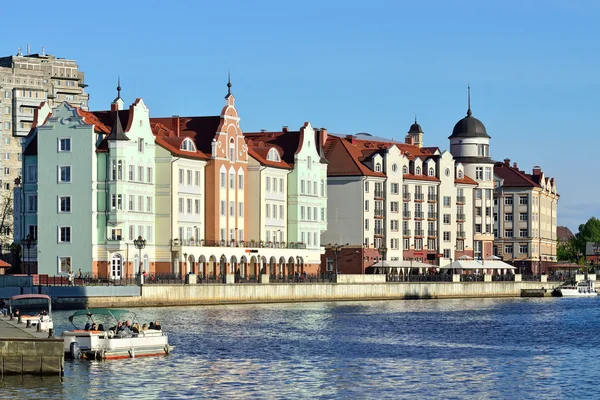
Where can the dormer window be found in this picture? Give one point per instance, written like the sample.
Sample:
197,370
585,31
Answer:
418,171
405,169
377,167
273,155
460,174
188,145
431,172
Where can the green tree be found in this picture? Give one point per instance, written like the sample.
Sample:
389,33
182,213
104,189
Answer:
588,232
567,251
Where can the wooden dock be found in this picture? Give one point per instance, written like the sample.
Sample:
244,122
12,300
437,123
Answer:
25,351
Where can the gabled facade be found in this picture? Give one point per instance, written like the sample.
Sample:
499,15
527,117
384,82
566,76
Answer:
93,181
525,218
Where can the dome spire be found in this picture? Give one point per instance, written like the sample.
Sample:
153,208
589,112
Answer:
469,113
119,87
228,84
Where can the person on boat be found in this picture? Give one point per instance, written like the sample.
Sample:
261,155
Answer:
101,327
94,327
151,326
87,326
145,327
156,325
135,328
3,307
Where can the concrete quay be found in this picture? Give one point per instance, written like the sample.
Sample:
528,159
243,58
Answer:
25,351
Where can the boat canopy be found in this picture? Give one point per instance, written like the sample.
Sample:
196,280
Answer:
30,296
112,312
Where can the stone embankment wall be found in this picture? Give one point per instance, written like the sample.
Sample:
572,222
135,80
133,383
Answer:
31,356
174,295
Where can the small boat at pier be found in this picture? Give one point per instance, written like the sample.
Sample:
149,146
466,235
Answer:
99,344
579,289
34,310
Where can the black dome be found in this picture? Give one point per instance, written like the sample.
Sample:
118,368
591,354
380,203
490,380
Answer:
469,127
415,128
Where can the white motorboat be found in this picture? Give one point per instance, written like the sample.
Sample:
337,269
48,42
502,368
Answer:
99,343
33,310
580,289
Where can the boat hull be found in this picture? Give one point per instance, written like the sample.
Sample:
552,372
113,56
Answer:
97,345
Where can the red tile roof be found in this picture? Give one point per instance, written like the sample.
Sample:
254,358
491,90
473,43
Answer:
260,155
287,143
513,177
169,140
347,155
465,180
202,130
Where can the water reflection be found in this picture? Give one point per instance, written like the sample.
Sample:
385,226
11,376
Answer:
484,348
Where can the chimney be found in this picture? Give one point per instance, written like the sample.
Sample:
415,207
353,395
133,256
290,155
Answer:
28,49
350,138
409,139
515,165
114,106
285,129
323,136
537,170
507,162
175,124
43,51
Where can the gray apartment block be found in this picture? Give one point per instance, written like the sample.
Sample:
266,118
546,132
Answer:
26,80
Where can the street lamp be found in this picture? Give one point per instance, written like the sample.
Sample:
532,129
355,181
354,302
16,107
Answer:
140,243
28,243
382,251
336,248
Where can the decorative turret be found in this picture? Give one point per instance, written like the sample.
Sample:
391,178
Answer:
118,102
416,133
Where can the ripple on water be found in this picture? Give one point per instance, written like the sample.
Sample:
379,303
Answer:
481,349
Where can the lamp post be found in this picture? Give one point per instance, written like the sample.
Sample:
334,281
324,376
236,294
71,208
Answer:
140,243
382,251
336,248
28,242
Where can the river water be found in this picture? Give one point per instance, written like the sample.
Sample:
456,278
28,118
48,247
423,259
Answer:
545,348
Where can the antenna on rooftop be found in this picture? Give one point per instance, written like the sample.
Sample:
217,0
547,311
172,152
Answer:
28,49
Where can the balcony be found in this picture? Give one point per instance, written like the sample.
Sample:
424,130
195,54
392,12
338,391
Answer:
252,244
419,215
431,234
406,214
405,196
432,215
461,234
406,232
432,198
461,217
461,199
419,233
419,197
378,213
379,231
378,194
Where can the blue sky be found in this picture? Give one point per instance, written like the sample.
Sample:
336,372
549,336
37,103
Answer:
353,67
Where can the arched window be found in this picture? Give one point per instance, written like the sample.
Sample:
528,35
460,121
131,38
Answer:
377,167
146,263
116,266
232,150
273,155
188,145
418,171
431,172
405,169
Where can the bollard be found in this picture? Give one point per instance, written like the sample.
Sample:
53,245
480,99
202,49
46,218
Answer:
28,324
19,321
39,326
51,333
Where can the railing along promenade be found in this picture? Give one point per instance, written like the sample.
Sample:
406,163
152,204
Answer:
177,279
